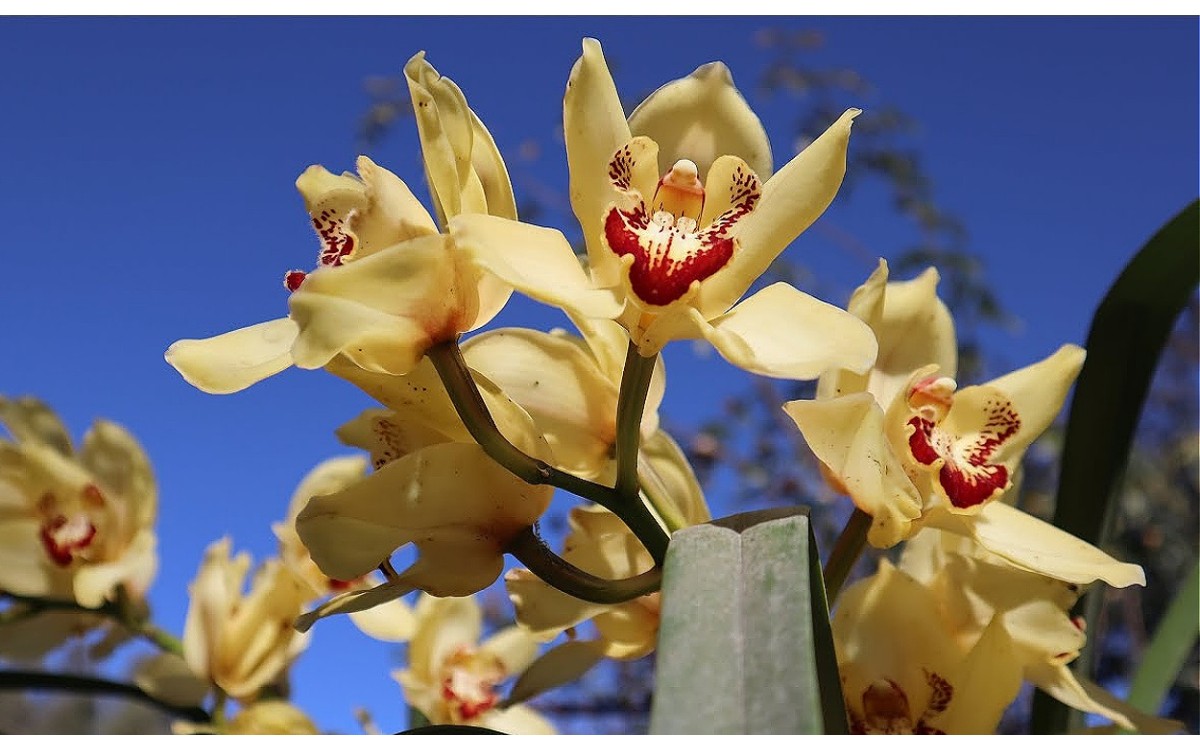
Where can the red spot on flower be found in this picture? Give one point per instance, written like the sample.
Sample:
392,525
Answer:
293,279
336,242
64,538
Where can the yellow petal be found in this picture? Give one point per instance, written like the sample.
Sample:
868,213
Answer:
544,610
791,201
391,621
135,568
779,331
24,568
513,646
392,214
235,360
594,127
537,261
847,435
168,678
355,601
450,499
114,456
443,626
1034,545
1037,393
664,459
383,311
28,419
559,384
270,717
702,117
986,681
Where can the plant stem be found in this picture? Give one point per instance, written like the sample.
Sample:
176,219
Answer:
845,552
117,611
631,402
21,680
580,584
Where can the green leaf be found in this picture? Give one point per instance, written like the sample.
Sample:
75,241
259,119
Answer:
1169,648
744,644
1128,333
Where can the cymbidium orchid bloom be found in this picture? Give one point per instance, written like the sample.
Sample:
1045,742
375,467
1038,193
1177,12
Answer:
452,678
242,642
74,525
675,239
389,621
387,285
600,543
433,487
973,587
274,717
932,455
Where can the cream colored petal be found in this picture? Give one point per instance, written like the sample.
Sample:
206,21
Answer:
213,593
536,261
168,678
1034,545
629,630
444,124
669,466
28,419
383,311
544,610
987,680
271,717
492,291
594,127
514,646
442,497
1057,681
702,117
559,384
791,201
235,360
866,304
847,435
779,331
391,621
443,626
608,342
517,720
135,568
1038,393
24,567
418,395
325,478
392,214
116,458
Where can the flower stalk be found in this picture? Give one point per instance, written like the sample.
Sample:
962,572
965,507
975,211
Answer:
845,553
565,577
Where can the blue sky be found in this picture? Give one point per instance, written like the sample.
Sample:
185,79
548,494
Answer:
148,197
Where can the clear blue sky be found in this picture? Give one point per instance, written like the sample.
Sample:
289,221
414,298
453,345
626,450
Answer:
147,194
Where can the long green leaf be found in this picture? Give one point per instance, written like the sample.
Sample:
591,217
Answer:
745,645
1128,333
1169,649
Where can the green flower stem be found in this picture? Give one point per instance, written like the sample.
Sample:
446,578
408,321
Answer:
635,382
468,402
118,610
565,577
20,680
845,552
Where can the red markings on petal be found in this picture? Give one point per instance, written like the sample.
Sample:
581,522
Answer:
63,538
336,242
293,279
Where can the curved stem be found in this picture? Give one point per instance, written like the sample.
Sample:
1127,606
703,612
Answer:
21,680
631,402
565,577
845,552
115,610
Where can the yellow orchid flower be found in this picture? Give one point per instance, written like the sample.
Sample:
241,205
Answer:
387,285
903,671
974,587
74,525
273,717
670,252
242,642
389,621
934,455
601,544
452,678
433,487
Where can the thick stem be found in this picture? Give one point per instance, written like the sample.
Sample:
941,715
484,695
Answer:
845,552
20,680
565,577
631,402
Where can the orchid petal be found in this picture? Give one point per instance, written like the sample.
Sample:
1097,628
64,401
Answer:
594,127
30,420
513,646
390,621
236,360
116,458
702,117
516,720
1034,545
443,626
383,311
779,331
847,435
791,201
537,261
1037,393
